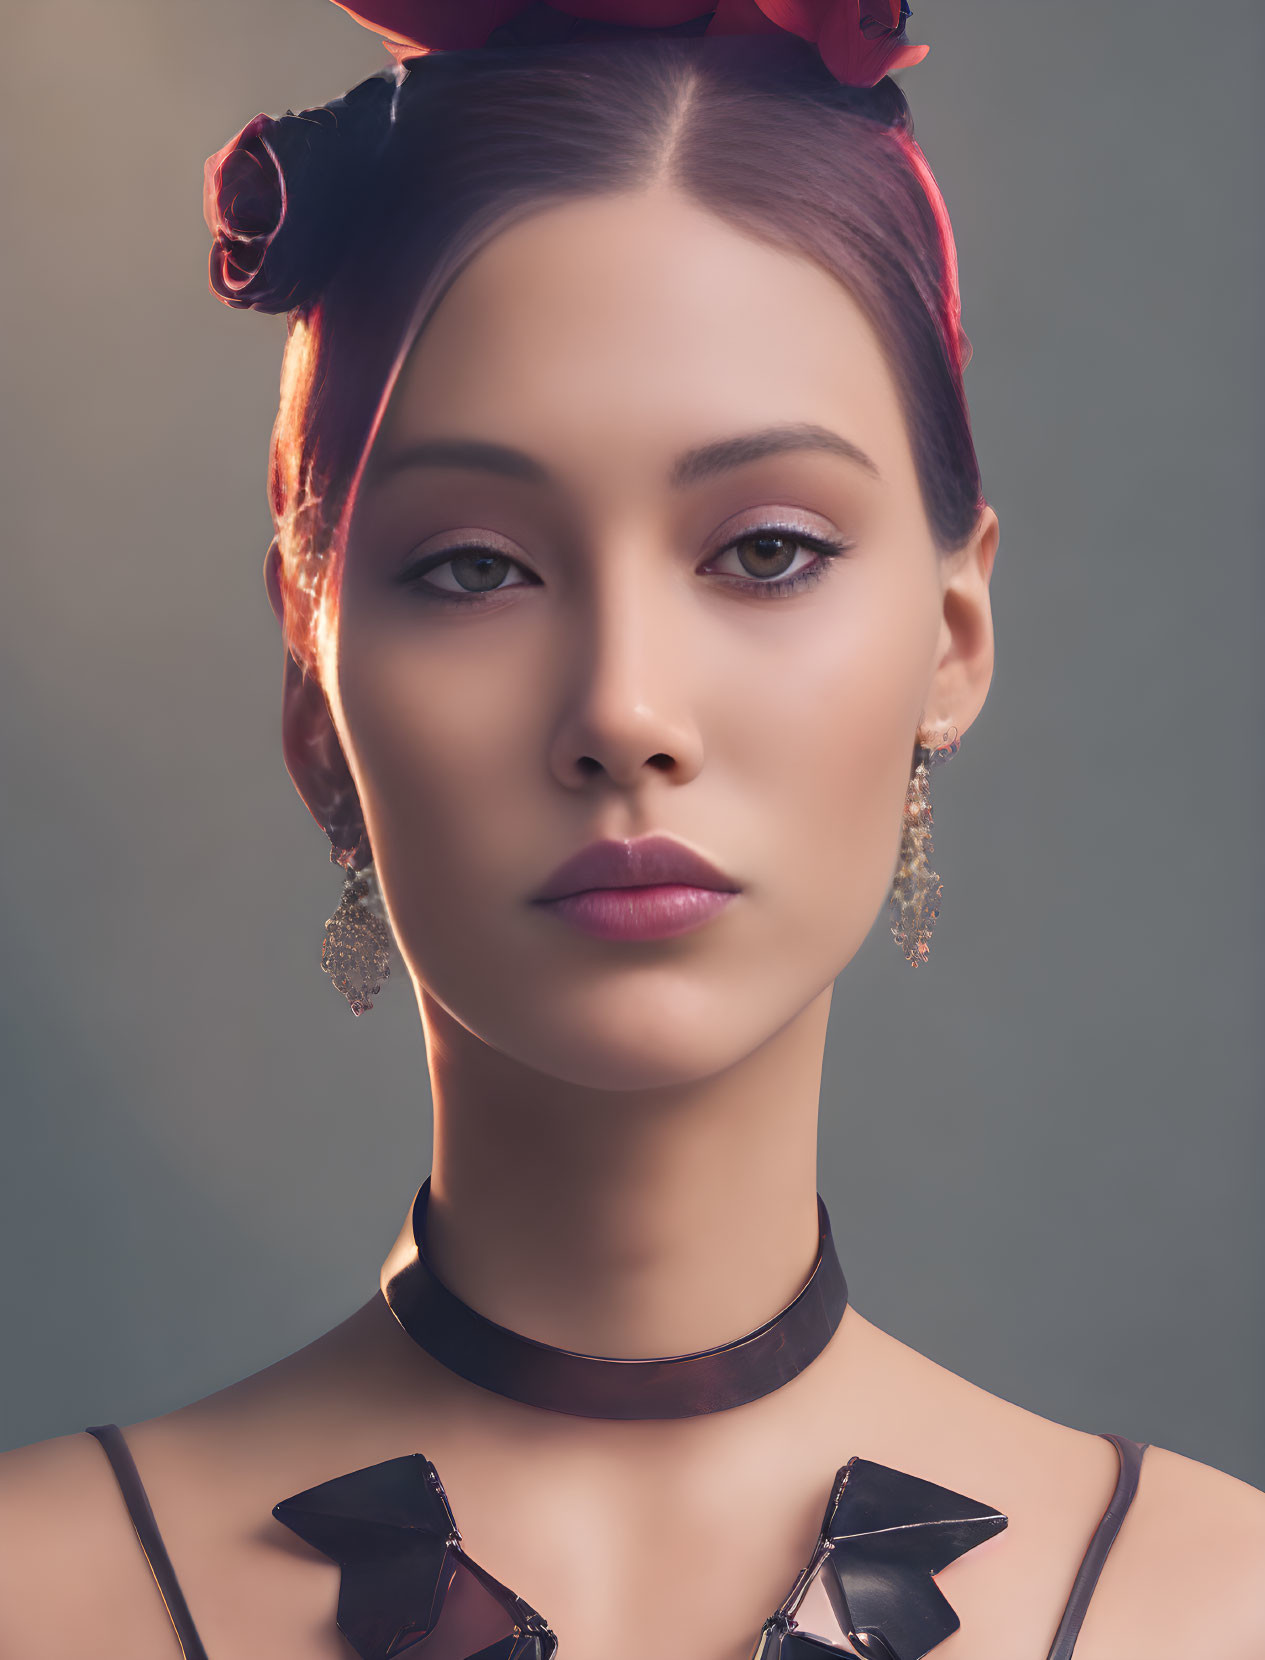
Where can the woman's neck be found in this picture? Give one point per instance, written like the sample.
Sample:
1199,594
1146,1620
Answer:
625,1223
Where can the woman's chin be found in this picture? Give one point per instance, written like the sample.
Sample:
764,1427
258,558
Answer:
615,1041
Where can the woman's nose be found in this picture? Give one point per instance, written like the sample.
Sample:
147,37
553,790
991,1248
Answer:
626,697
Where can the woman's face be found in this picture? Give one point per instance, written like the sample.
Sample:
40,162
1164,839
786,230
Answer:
640,548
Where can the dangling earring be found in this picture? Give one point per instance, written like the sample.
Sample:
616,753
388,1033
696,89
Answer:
916,888
356,950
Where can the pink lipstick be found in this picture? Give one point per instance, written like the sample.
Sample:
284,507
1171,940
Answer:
651,888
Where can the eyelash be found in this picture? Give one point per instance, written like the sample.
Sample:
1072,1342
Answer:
826,549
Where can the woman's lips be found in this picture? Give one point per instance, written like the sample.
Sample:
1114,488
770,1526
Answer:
648,888
650,913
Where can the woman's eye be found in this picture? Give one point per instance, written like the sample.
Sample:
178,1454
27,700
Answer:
465,571
780,560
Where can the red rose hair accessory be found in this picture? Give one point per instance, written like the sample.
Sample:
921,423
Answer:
282,197
860,41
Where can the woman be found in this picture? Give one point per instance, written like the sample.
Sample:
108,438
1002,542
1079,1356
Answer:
633,569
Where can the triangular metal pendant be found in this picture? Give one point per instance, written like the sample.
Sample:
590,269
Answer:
406,1578
884,1535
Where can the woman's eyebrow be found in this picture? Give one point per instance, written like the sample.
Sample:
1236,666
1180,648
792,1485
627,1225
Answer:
719,457
692,467
473,453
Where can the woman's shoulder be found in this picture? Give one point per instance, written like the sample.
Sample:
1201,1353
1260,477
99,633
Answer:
1184,1574
1187,1572
70,1565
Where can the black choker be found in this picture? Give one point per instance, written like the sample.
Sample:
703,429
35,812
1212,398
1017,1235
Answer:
591,1386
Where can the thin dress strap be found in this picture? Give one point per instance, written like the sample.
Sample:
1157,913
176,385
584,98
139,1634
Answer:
1130,1454
138,1508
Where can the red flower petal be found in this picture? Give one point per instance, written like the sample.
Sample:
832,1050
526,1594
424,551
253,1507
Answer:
860,51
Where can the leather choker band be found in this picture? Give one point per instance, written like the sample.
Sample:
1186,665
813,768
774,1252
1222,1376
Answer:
593,1386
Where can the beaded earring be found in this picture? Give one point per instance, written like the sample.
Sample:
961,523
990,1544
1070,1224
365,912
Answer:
356,949
916,888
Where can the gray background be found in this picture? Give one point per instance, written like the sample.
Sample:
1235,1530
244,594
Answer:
1043,1152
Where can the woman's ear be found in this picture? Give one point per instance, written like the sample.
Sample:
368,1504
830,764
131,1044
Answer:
272,581
313,753
964,665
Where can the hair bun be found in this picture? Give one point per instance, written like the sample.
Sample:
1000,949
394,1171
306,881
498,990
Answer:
281,197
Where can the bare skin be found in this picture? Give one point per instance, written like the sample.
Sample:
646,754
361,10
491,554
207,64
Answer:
625,1151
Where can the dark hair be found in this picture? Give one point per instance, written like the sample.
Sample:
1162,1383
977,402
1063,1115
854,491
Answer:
755,130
